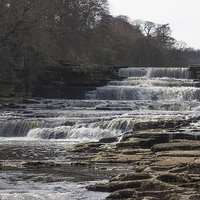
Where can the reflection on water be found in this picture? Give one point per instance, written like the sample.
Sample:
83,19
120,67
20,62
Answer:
58,182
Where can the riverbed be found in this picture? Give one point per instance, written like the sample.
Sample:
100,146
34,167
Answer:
38,130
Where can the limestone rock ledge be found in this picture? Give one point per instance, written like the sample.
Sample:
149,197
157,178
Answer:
166,168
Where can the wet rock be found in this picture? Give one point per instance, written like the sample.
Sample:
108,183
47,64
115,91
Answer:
144,185
132,143
38,164
133,195
194,197
159,124
31,101
182,167
178,135
134,151
168,163
156,195
155,185
175,178
163,135
118,158
82,164
141,142
177,145
11,105
131,176
103,108
178,153
115,185
151,133
148,138
146,189
122,194
140,169
106,167
113,108
54,135
108,140
194,168
92,147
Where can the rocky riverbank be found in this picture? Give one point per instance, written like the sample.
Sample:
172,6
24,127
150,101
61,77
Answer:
163,157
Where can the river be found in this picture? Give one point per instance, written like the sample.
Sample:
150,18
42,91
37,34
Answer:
37,130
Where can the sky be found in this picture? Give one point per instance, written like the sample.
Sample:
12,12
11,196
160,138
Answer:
183,16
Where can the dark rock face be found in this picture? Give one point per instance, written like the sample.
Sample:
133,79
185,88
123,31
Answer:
62,92
131,176
72,81
6,90
195,71
67,80
38,164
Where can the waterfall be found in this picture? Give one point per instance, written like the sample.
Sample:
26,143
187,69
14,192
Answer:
72,133
155,72
133,72
145,95
154,84
20,128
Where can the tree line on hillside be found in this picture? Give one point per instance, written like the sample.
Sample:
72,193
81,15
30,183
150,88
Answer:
38,33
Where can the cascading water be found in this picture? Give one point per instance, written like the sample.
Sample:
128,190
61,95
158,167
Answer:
165,84
104,113
37,131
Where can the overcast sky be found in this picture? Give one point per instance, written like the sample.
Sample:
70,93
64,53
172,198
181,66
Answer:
183,16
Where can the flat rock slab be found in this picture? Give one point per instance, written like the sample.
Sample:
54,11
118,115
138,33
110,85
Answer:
177,145
151,133
178,153
166,161
117,158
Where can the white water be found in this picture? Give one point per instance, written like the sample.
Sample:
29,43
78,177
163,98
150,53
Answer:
146,94
40,130
165,84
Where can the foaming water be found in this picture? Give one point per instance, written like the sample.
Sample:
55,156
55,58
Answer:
166,84
55,191
72,133
156,72
144,92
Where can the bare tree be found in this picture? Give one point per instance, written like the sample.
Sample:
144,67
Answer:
149,28
163,36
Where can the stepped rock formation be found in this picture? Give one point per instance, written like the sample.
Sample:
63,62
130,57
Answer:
162,168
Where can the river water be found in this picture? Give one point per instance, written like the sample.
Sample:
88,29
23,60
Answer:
37,130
